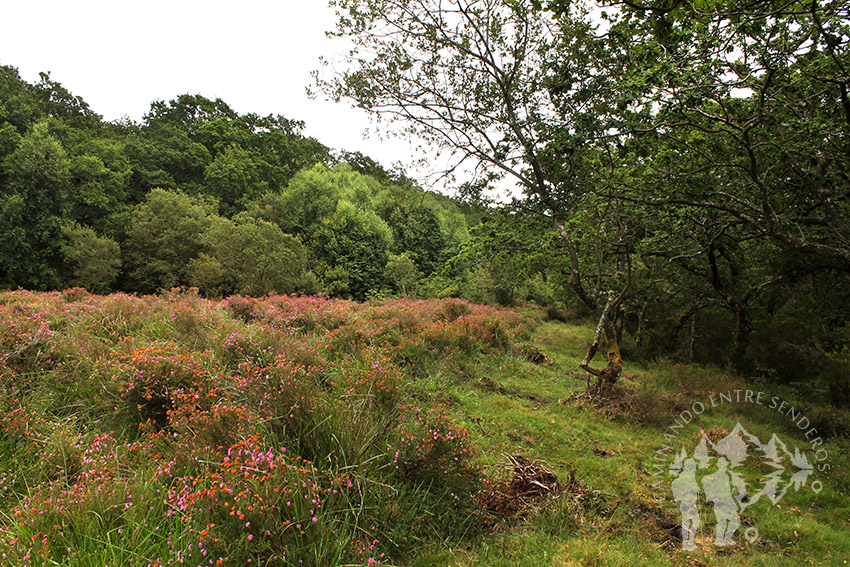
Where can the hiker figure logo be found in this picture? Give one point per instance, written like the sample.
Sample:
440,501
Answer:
716,469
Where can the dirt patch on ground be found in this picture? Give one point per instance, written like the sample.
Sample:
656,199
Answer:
634,405
600,451
663,526
531,487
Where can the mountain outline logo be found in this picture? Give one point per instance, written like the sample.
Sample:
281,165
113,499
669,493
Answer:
717,469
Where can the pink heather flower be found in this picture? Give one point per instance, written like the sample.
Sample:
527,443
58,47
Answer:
250,537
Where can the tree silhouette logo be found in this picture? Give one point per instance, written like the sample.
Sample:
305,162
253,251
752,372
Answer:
723,472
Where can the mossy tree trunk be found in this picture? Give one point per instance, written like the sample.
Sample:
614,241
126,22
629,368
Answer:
606,333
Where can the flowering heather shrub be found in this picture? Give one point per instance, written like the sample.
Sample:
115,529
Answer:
372,376
309,351
187,431
155,377
309,313
74,294
403,315
113,317
26,339
468,334
241,345
192,319
413,332
100,486
257,501
451,309
292,312
348,340
431,451
248,309
197,432
63,452
23,427
8,388
283,394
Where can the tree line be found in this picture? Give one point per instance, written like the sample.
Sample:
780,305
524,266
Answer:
199,195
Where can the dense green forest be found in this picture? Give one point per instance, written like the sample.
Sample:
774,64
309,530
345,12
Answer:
199,195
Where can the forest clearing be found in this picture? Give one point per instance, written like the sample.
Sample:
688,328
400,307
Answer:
599,314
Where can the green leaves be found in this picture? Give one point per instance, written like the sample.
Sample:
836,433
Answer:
95,261
235,178
248,256
356,241
32,205
163,237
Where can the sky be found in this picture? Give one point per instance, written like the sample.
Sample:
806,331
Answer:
256,55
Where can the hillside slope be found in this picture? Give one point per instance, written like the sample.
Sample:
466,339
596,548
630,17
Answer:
173,430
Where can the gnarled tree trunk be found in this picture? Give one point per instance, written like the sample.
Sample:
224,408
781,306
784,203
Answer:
605,331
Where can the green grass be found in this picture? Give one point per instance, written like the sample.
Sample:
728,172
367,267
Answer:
511,406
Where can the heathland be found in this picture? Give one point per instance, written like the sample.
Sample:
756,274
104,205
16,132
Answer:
176,430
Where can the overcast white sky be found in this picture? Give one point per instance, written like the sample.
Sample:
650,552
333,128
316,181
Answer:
256,55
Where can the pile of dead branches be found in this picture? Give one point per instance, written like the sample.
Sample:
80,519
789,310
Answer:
531,486
534,354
